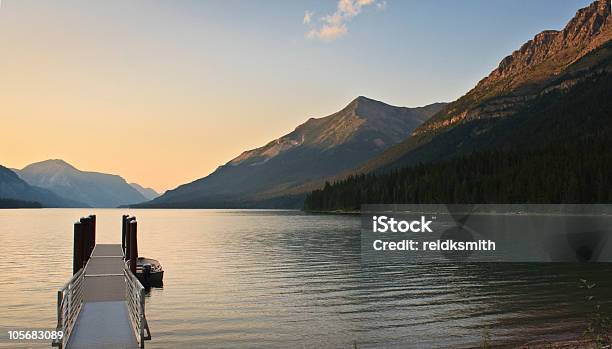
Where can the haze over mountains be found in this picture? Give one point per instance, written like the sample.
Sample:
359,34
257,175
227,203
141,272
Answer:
319,148
148,193
90,188
14,188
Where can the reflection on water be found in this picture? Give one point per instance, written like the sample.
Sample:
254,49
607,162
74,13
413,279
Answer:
284,279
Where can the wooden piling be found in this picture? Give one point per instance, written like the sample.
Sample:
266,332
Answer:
93,232
124,234
77,251
127,238
86,232
133,230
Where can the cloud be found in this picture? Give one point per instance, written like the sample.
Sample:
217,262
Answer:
333,26
307,16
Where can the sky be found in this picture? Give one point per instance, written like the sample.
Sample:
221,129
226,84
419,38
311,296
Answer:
163,92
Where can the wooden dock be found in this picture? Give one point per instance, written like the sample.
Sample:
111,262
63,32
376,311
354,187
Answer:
102,306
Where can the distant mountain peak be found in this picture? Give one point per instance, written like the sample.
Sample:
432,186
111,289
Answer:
50,165
360,115
365,107
14,187
318,148
92,188
58,162
364,100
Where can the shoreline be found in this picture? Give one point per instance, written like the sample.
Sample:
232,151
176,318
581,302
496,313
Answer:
565,344
511,214
575,341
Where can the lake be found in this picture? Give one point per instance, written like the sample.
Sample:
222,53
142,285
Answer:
286,279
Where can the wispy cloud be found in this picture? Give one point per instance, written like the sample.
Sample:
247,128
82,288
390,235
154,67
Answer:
307,16
333,26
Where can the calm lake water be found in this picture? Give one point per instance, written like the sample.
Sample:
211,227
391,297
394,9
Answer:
285,279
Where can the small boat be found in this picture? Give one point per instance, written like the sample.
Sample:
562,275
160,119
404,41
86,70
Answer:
149,272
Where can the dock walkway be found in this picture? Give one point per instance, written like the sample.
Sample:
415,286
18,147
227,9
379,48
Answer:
104,320
103,303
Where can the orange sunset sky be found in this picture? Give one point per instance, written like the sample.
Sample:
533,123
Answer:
163,92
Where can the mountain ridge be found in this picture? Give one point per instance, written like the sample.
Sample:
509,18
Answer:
95,189
333,134
14,188
527,69
316,148
148,193
556,153
506,90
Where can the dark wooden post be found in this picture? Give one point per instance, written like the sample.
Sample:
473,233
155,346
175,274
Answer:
77,250
127,238
124,234
133,245
86,238
93,231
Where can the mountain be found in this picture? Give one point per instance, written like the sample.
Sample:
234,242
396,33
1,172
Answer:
499,111
532,70
92,188
318,148
537,129
148,193
16,192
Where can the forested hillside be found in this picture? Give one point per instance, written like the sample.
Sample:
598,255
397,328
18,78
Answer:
562,154
571,173
11,203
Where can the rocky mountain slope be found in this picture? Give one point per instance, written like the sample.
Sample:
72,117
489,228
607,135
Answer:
319,148
550,65
13,187
527,72
92,188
